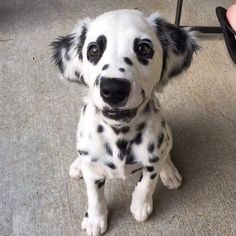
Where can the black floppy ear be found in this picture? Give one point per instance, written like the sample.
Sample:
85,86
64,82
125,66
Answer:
178,45
67,53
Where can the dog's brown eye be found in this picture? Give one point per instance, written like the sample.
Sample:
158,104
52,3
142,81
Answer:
93,50
144,49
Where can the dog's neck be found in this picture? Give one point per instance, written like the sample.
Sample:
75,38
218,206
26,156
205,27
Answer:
143,113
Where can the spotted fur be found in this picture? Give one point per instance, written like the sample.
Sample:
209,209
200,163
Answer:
123,130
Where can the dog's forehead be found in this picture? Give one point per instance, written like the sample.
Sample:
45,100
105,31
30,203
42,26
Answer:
119,22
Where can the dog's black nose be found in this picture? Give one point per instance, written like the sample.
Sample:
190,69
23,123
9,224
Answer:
114,91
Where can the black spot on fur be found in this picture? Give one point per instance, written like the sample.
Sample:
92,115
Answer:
100,129
121,69
134,171
100,182
101,44
138,138
141,126
81,42
86,214
67,57
146,108
97,81
143,93
141,177
82,152
128,61
77,74
151,147
122,145
160,140
130,158
150,168
108,149
153,159
163,123
84,108
105,67
153,176
82,81
110,165
123,129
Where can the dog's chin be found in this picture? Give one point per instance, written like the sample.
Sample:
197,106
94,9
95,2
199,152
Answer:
120,116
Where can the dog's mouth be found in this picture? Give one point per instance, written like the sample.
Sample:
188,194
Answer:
116,114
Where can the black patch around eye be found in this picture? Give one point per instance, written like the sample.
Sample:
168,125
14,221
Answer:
143,58
86,214
81,42
128,61
101,44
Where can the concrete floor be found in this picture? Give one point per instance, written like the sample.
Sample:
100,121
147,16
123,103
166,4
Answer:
39,114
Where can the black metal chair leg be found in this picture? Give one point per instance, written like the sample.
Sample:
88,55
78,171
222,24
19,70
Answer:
178,12
202,29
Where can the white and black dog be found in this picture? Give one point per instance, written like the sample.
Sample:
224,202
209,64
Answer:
123,58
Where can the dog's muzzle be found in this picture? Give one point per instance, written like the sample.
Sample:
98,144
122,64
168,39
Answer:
115,92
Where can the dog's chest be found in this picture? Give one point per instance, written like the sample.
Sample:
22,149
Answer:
117,152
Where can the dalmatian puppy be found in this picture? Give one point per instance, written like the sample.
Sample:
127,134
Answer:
123,58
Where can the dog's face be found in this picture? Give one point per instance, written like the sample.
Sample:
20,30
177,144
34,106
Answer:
121,56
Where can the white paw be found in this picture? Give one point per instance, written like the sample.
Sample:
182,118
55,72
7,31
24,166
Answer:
170,176
141,209
95,225
75,171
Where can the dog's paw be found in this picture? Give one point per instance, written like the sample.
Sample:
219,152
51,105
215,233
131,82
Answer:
141,209
94,225
170,176
75,171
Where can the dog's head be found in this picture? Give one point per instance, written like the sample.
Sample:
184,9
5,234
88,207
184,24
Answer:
122,57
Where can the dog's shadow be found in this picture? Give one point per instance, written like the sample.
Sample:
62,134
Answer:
197,153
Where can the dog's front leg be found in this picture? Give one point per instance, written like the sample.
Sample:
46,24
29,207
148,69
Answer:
142,203
95,220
